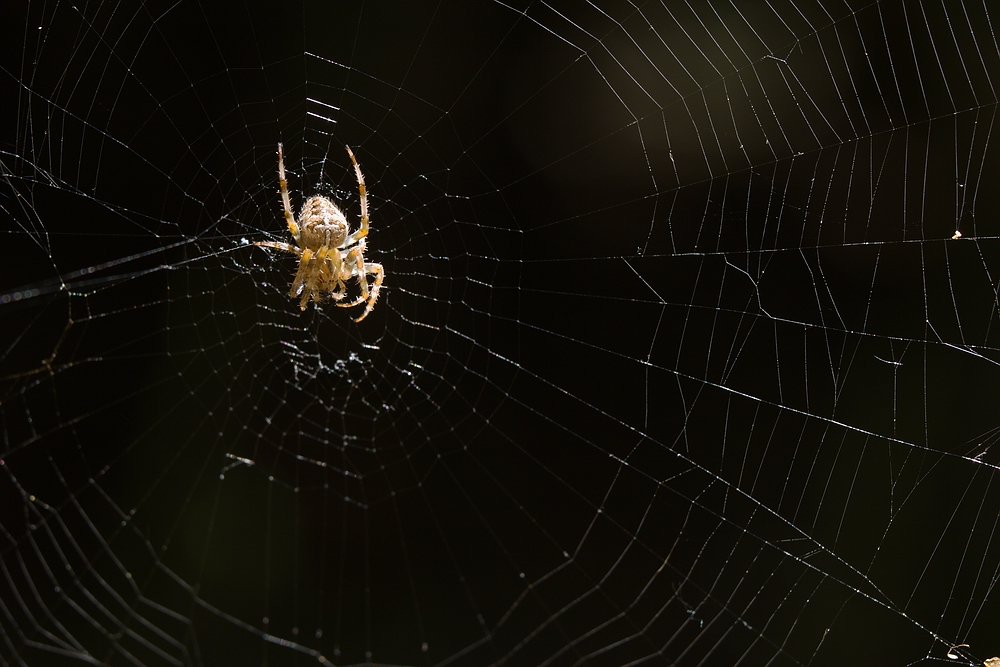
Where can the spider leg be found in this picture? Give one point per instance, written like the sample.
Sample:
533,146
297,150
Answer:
338,292
367,295
305,279
280,246
363,230
355,260
330,273
304,267
379,276
285,201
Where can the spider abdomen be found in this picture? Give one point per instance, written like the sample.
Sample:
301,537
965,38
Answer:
321,223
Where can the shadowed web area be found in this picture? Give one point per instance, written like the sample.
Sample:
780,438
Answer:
687,351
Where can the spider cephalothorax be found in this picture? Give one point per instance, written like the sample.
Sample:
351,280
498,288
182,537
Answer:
328,256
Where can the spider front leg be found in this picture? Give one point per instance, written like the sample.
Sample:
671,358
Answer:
354,266
305,278
362,271
330,278
379,273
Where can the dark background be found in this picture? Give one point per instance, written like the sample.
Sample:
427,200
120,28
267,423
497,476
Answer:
677,361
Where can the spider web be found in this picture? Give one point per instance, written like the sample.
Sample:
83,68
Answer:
687,352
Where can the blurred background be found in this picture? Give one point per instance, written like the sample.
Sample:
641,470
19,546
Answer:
687,352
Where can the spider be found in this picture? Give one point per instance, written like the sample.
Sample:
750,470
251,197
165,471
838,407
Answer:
328,255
